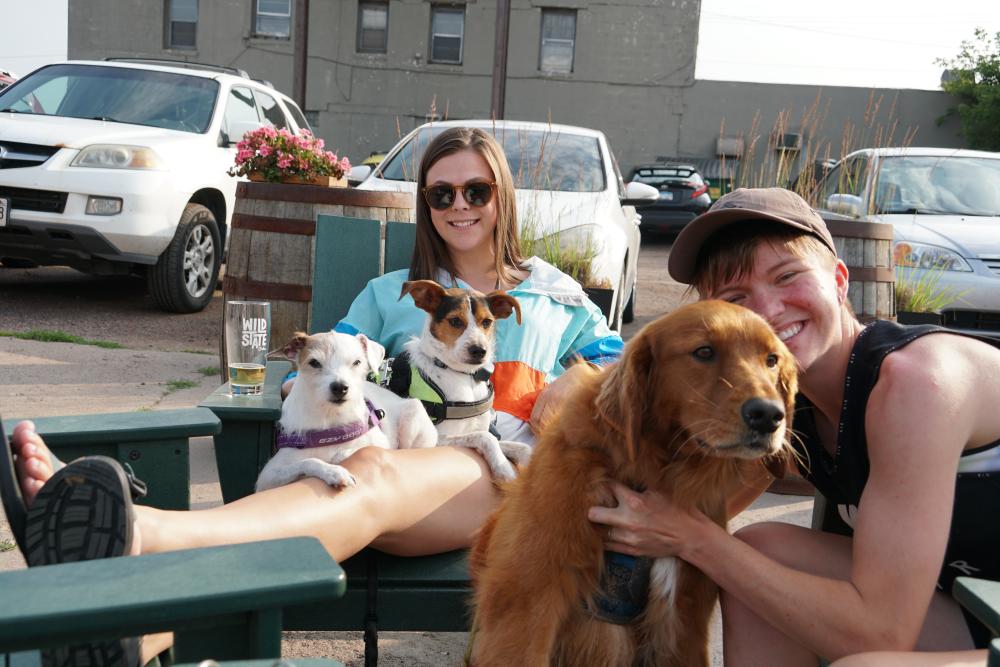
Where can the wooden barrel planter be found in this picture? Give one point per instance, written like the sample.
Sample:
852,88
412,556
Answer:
866,248
272,243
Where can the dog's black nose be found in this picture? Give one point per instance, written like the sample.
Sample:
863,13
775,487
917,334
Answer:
338,389
477,352
762,415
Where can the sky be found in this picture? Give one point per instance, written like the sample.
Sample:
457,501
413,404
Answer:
868,43
880,43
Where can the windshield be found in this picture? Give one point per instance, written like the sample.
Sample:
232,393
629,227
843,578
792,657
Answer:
938,185
539,159
116,94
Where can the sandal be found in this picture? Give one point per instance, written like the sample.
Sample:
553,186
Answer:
83,512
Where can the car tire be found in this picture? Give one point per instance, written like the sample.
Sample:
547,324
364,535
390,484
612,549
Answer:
628,315
183,280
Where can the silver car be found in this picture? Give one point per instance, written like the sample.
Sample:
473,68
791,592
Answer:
944,206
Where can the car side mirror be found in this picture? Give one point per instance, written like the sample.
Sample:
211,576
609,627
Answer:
849,205
358,173
639,194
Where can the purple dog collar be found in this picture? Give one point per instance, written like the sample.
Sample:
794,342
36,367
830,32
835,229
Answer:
331,436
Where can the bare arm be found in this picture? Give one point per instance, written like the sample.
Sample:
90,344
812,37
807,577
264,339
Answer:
919,417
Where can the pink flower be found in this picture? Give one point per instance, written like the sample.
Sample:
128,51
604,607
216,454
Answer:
284,162
264,150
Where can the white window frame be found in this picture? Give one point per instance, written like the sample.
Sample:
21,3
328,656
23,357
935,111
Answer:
448,9
273,35
543,41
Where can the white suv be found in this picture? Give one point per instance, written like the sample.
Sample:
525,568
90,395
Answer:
119,167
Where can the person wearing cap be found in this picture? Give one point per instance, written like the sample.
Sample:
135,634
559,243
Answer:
897,426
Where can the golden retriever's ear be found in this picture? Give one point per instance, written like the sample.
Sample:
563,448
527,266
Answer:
427,294
622,400
503,304
292,348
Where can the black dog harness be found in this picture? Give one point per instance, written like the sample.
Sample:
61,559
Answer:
410,382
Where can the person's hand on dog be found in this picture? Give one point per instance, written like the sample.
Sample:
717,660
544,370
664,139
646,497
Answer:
552,396
647,524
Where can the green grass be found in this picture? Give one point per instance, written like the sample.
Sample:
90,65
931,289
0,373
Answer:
47,336
193,351
923,294
178,385
6,545
209,371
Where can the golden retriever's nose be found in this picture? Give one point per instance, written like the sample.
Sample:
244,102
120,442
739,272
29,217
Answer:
762,415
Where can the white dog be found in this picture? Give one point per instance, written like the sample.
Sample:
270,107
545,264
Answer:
331,412
449,367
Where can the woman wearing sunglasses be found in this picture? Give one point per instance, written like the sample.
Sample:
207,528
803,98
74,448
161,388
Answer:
406,502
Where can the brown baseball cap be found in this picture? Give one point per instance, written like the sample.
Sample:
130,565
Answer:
743,206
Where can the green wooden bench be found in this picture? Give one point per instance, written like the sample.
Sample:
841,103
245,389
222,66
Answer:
155,444
227,603
428,593
982,599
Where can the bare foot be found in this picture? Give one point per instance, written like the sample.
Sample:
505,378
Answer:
34,461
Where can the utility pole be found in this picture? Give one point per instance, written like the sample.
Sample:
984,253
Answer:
300,54
500,59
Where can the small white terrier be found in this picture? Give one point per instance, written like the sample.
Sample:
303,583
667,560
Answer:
332,412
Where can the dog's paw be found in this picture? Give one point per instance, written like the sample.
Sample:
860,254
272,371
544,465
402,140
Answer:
503,470
337,476
518,452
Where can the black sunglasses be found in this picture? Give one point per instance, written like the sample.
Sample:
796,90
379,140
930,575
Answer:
475,193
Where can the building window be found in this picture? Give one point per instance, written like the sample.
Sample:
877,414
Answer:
182,23
447,29
273,18
558,41
373,26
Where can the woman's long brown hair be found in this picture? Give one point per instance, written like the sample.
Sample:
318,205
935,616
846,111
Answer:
430,252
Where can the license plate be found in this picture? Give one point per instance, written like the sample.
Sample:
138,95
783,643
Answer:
4,210
667,196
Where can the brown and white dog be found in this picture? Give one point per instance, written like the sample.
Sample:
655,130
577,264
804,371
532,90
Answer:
332,411
454,357
696,409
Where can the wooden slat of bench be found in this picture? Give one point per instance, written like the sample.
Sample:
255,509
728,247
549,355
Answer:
982,598
155,444
214,594
348,255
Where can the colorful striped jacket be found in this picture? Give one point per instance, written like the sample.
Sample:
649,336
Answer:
559,323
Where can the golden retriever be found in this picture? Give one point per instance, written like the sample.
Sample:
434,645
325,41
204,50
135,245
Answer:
697,408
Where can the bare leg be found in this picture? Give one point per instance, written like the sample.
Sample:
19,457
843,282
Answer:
407,501
750,640
893,659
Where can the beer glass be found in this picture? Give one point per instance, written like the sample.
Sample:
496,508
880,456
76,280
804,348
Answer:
248,330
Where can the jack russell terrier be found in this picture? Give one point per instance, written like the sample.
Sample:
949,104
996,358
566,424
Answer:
331,412
448,367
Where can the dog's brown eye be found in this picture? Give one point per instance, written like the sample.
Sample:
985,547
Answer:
487,323
704,353
772,360
456,322
357,362
315,363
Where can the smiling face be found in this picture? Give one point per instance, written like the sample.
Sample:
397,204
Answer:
801,295
464,228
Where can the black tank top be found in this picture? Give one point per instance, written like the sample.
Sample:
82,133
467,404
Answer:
974,540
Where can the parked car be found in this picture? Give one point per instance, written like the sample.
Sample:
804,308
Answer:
6,78
119,167
570,195
944,206
683,194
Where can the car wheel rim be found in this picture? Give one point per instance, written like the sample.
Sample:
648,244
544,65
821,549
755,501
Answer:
199,258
